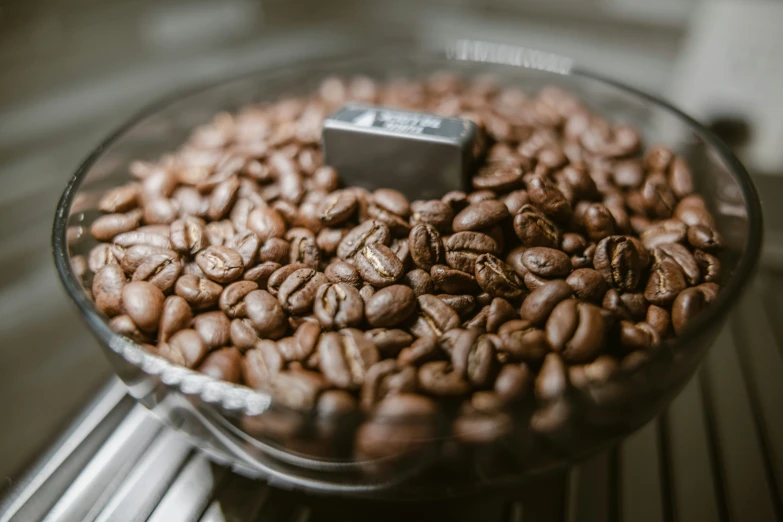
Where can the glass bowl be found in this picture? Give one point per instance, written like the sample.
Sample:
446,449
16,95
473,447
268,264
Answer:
262,436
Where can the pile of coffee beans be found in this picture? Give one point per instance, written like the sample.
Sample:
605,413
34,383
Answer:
576,254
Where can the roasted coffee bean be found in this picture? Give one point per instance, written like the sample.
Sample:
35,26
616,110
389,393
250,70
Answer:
134,256
345,357
107,289
497,278
498,313
709,266
587,284
434,213
539,304
598,221
232,299
523,341
464,248
710,291
551,383
398,226
389,342
479,320
440,379
668,231
434,317
666,281
534,282
135,237
337,208
392,201
366,291
514,260
422,350
223,364
102,255
455,199
628,174
242,333
108,226
342,272
275,250
473,358
513,383
451,281
705,238
260,274
176,315
278,277
534,229
390,306
266,222
213,327
143,302
659,319
401,249
219,232
246,245
302,344
576,330
598,372
266,314
368,233
500,176
304,250
298,291
515,200
160,211
199,293
548,199
328,239
378,265
462,304
478,196
221,264
479,216
185,348
426,246
546,262
682,256
638,336
262,365
124,325
120,199
162,270
688,304
386,378
658,197
621,260
478,427
572,243
680,178
187,235
419,281
338,305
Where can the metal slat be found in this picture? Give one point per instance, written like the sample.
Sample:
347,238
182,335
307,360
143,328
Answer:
147,483
94,486
641,474
589,494
741,454
237,500
190,493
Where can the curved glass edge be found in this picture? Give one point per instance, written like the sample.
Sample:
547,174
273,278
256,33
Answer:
252,402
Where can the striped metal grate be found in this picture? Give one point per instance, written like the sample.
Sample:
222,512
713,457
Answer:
715,455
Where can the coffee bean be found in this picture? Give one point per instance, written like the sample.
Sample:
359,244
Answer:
709,266
515,200
551,383
513,383
278,277
666,281
473,358
392,201
426,246
432,212
534,229
477,196
304,250
185,348
338,305
161,269
668,231
596,373
401,249
386,378
688,304
464,248
546,262
440,379
628,174
213,327
345,357
176,315
450,281
499,312
298,291
187,235
302,344
262,365
218,233
598,221
261,273
682,256
266,314
337,208
328,239
389,342
102,255
223,364
576,330
378,265
621,261
368,233
497,278
266,222
548,199
680,178
107,289
232,299
398,226
710,291
498,176
242,333
659,319
479,320
275,250
462,304
134,256
422,350
124,325
221,264
657,196
479,216
199,293
342,272
390,306
539,304
455,199
587,284
434,317
120,199
705,238
638,336
523,341
143,303
108,226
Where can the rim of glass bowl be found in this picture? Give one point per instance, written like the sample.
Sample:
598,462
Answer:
252,402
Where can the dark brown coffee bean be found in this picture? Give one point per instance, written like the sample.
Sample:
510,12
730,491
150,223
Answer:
213,327
392,201
187,235
638,336
666,281
680,178
477,196
572,243
338,305
515,200
540,303
709,266
218,233
668,231
576,330
342,272
246,245
262,365
260,274
551,383
621,260
587,284
456,199
659,319
280,275
266,222
497,278
401,249
658,197
462,304
426,246
514,260
221,264
432,212
419,281
390,306
598,221
398,226
422,350
386,378
143,302
185,348
298,291
434,318
378,265
124,325
199,293
107,289
523,341
337,208
473,358
162,270
242,333
176,316
232,299
548,199
345,357
389,342
628,174
464,248
499,176
368,233
135,237
534,229
479,216
223,364
223,197
266,314
546,262
133,257
120,199
275,250
450,281
513,383
688,304
102,255
440,379
302,344
304,250
498,313
329,239
613,302
704,238
710,291
682,256
106,227
596,373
